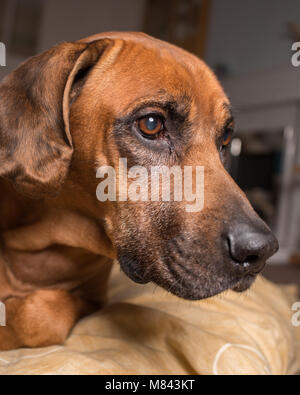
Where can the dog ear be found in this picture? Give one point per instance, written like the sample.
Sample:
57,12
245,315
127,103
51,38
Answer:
35,140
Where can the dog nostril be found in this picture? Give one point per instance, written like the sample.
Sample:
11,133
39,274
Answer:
251,263
244,251
252,258
250,247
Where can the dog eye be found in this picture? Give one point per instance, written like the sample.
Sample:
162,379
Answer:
227,136
150,126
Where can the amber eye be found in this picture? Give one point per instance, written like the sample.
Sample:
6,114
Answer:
226,139
150,125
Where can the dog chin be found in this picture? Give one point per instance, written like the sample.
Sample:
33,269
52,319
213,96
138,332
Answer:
244,283
198,292
183,287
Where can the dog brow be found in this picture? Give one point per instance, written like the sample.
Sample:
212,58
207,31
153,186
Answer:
180,107
230,116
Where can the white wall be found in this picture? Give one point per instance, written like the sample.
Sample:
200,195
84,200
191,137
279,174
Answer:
75,19
65,20
12,62
248,35
251,35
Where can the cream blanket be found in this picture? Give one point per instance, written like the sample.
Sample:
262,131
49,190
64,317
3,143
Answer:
145,330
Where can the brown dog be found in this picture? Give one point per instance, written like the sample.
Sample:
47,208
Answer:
81,105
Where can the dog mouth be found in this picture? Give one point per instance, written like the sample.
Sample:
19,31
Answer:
244,283
133,268
191,282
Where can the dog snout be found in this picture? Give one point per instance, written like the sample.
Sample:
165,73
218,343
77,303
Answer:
250,246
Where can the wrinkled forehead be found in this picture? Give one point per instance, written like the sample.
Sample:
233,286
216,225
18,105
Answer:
143,69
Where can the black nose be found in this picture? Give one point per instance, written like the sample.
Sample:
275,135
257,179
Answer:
250,246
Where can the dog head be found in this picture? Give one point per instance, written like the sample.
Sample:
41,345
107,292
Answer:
81,106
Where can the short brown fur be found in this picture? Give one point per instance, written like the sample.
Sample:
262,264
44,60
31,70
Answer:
58,117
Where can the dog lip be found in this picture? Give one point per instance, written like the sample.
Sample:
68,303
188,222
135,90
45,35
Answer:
244,283
139,280
131,269
246,269
135,277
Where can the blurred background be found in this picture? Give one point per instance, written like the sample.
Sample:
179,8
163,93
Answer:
247,43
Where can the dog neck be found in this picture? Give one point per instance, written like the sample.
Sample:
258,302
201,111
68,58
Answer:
36,225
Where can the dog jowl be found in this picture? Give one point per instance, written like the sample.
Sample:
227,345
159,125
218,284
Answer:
80,106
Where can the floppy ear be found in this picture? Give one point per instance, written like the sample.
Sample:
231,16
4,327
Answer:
35,140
